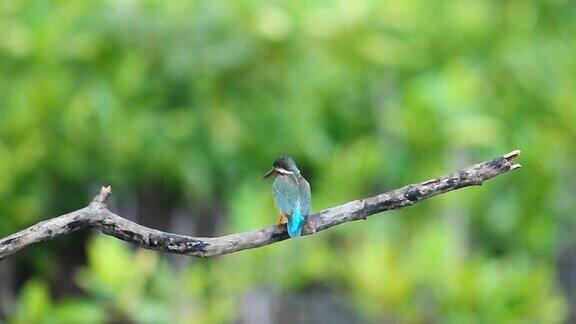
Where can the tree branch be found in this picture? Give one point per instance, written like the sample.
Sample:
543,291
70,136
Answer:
96,215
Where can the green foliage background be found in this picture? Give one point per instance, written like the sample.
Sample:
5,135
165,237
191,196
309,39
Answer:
199,97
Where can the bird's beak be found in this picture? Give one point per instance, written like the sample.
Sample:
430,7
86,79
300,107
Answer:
269,173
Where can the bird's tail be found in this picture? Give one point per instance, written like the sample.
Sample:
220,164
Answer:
295,223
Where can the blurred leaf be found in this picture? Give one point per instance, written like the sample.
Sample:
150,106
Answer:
34,303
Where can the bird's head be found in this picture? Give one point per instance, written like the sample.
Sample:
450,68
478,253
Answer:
283,165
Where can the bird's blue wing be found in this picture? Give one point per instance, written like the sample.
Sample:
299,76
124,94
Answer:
305,196
285,190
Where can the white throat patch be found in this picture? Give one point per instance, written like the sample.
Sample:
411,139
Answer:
283,171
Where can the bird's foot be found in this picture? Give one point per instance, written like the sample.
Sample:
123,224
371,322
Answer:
282,220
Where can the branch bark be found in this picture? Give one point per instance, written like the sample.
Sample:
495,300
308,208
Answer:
96,215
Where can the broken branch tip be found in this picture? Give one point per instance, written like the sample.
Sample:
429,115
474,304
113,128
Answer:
512,155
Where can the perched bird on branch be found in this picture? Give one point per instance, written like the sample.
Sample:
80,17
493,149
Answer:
291,194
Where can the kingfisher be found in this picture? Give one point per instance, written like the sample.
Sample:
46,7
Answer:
291,194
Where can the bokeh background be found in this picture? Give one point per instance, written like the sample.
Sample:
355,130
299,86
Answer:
181,106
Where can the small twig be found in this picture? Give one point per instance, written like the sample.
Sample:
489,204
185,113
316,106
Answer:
102,197
97,215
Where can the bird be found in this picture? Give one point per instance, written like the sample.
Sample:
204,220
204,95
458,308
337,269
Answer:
291,193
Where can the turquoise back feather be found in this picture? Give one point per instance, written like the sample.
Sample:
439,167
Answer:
295,222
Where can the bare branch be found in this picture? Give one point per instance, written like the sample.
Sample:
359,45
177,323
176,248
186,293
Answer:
96,215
